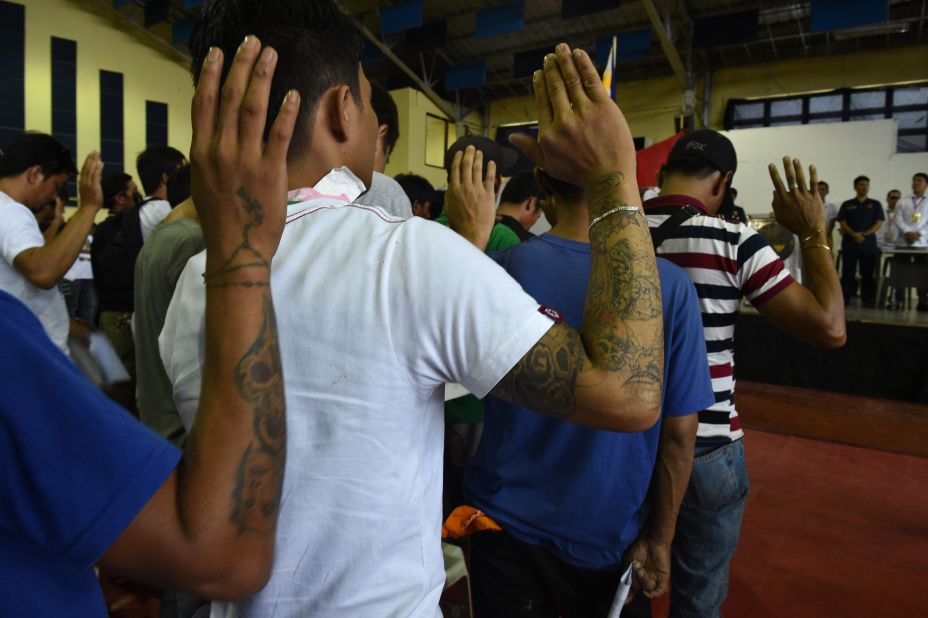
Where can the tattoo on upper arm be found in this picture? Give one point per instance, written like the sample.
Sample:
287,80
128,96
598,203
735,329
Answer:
545,378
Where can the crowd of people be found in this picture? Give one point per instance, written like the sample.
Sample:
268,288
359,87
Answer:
287,317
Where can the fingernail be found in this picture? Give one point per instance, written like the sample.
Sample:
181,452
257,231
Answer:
578,53
267,56
537,74
213,54
561,47
248,42
549,58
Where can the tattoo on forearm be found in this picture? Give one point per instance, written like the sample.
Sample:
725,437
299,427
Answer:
544,380
624,292
258,378
622,326
244,256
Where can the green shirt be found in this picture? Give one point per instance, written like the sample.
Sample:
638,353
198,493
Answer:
501,237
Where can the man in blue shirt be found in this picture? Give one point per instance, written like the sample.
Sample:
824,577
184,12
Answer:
860,218
85,483
571,500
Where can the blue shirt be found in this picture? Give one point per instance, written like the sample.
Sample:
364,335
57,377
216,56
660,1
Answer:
77,469
574,490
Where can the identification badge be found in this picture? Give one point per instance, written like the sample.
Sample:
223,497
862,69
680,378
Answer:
916,216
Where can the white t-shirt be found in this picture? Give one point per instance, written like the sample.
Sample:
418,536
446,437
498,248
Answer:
19,231
151,214
375,315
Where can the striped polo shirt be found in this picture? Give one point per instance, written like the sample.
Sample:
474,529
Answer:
726,261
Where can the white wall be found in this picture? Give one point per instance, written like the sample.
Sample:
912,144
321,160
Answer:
840,151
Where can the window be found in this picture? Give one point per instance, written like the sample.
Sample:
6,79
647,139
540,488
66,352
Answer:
156,123
436,140
906,104
64,101
12,71
112,149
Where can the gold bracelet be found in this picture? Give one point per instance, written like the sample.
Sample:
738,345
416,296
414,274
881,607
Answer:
817,230
826,247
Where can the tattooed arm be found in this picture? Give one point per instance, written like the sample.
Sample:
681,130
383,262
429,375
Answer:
609,374
210,528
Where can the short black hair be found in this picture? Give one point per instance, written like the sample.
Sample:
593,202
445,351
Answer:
688,166
521,187
317,46
113,184
894,191
561,189
860,178
822,182
385,108
922,175
734,192
417,188
32,148
179,185
154,163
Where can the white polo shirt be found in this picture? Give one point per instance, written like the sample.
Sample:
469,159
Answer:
19,231
375,315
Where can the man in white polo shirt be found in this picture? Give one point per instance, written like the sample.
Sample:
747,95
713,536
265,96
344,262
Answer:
911,225
372,326
32,169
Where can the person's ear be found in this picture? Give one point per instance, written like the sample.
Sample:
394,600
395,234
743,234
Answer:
338,110
720,185
532,204
34,175
382,131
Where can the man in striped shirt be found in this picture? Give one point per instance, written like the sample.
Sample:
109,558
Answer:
728,262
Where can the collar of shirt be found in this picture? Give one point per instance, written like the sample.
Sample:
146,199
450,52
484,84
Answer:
676,200
340,184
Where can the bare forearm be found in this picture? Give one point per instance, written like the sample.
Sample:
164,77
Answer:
51,262
821,278
671,476
873,228
622,327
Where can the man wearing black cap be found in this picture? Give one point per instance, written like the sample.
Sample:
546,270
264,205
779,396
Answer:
727,262
505,158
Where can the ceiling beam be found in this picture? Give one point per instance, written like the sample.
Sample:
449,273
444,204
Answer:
673,56
446,108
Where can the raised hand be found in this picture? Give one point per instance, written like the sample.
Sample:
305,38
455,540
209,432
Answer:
471,199
799,208
90,191
582,134
239,182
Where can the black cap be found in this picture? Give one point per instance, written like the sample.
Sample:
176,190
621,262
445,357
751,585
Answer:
713,148
708,145
504,156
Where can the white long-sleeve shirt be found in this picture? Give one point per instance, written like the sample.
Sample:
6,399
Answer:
912,216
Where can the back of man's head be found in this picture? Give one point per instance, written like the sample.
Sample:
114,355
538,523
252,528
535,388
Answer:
520,188
417,188
317,46
387,114
179,186
155,164
699,155
112,185
36,149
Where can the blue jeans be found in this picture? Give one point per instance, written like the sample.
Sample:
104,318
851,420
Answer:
707,532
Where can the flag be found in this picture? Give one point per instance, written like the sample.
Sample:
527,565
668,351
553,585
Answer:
609,72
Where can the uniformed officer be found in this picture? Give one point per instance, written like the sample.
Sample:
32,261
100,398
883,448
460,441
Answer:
860,218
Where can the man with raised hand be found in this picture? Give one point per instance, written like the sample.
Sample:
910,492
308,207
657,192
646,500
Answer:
89,484
728,262
371,331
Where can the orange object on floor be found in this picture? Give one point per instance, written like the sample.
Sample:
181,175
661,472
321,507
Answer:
466,520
